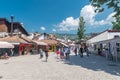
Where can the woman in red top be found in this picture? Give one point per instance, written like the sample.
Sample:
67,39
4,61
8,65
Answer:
58,52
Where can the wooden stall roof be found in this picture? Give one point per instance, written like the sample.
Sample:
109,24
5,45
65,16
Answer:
13,39
3,28
38,42
27,39
50,42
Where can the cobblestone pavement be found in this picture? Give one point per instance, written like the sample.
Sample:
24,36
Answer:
31,67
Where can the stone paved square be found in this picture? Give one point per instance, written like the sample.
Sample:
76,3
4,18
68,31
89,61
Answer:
31,67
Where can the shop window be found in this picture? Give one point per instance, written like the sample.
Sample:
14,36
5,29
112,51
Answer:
50,47
116,36
118,47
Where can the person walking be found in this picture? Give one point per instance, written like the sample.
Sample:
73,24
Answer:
41,53
87,50
11,51
46,55
81,51
58,53
67,53
75,51
46,52
61,53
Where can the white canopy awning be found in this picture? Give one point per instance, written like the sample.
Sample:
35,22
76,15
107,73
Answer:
6,45
15,43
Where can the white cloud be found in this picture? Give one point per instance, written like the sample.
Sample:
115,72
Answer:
89,16
43,28
68,24
87,12
54,30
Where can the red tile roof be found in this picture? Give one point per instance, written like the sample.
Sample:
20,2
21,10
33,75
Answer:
113,30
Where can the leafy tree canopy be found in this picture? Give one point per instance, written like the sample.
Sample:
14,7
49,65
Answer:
114,4
81,28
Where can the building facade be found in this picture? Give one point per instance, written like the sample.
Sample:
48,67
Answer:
106,35
5,28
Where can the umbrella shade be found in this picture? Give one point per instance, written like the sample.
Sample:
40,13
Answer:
6,45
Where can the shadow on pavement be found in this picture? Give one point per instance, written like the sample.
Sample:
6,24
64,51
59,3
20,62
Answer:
96,63
1,77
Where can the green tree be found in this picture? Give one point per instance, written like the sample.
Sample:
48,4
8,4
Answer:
114,4
116,25
81,28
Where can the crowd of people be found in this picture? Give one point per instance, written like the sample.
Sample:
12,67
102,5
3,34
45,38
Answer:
63,52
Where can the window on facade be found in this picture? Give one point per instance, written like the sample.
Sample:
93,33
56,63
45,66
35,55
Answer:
118,47
16,31
116,36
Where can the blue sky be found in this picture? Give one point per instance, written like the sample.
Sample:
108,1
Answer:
60,16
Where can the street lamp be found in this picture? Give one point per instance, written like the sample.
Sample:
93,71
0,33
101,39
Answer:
12,17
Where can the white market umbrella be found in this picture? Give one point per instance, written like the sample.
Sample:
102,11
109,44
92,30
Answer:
6,45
